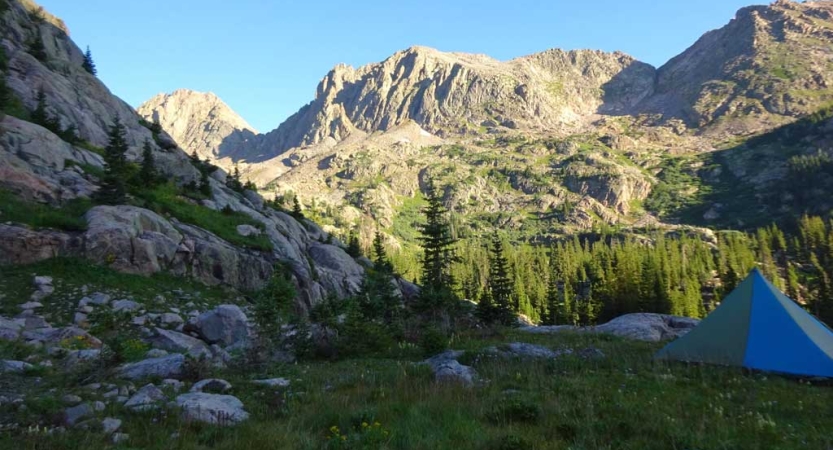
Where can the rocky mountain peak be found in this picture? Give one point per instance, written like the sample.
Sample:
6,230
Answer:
199,121
768,64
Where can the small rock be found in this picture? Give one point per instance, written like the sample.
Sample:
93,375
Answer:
86,309
155,353
71,399
591,353
76,357
171,319
99,299
139,321
99,406
125,305
212,408
73,415
80,319
42,280
145,399
31,305
111,393
175,385
118,438
110,425
171,366
9,366
212,385
273,382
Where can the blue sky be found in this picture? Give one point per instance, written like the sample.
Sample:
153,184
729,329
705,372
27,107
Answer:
266,57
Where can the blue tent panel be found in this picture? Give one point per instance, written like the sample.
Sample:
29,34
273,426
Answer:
777,342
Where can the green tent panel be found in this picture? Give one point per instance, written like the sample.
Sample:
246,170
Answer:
758,327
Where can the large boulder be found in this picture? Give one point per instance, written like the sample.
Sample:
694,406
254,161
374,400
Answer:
648,327
130,239
212,408
337,271
447,369
21,245
171,366
524,350
178,342
225,325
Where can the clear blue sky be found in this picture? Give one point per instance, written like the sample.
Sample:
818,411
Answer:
265,57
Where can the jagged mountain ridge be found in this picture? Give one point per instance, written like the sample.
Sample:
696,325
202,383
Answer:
572,139
455,93
765,68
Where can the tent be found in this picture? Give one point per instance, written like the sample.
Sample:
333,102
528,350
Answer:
758,327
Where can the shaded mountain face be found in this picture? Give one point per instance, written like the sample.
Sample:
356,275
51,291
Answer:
553,142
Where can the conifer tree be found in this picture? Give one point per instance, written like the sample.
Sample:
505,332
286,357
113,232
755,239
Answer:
500,285
88,64
354,247
296,208
112,190
379,299
437,243
380,255
437,258
205,185
40,116
148,175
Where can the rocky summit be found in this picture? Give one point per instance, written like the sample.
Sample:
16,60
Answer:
576,139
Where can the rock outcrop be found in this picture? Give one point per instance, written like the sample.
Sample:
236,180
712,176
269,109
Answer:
200,122
648,327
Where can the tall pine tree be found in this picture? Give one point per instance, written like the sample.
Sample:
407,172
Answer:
437,258
112,190
500,283
148,176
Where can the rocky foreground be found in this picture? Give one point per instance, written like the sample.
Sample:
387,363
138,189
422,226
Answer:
184,342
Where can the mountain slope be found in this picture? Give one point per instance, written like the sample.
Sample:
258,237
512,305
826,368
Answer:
769,65
553,142
48,176
199,122
454,94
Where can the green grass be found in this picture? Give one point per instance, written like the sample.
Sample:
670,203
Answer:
89,169
68,216
624,401
71,274
166,199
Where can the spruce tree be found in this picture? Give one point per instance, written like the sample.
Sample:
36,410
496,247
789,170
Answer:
88,64
205,185
296,208
39,115
354,247
380,256
500,284
437,258
148,177
379,299
112,190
